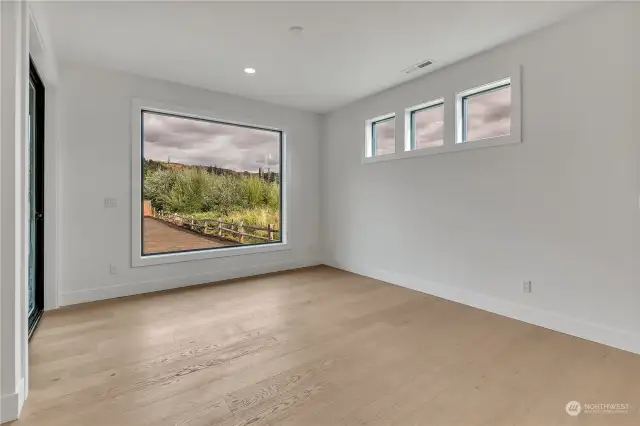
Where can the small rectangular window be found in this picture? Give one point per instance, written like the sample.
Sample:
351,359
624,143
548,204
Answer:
383,136
485,112
426,126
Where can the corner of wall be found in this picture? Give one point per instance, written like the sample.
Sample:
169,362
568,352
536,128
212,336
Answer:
323,254
40,44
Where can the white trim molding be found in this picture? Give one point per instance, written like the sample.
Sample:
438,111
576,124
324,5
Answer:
11,404
137,259
620,339
14,69
130,289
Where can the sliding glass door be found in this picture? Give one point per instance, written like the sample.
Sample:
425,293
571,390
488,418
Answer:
35,129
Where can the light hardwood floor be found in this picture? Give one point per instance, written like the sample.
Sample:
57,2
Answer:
314,346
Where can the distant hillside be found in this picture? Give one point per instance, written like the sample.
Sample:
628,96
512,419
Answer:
157,165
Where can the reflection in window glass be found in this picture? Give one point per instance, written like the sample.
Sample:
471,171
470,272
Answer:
487,114
427,127
208,185
384,136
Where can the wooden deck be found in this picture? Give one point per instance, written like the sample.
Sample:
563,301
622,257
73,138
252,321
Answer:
160,237
314,347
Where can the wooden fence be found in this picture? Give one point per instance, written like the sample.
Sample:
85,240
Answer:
212,227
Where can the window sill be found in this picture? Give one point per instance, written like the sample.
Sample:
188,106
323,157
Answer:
460,146
487,143
379,158
187,256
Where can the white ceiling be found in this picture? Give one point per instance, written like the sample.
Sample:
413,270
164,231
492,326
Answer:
347,50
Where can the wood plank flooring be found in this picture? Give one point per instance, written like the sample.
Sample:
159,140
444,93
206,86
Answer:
315,346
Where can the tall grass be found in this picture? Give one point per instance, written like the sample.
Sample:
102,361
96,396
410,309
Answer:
257,216
198,192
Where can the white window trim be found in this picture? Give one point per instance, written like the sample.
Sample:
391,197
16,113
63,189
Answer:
368,156
452,116
408,130
137,260
514,135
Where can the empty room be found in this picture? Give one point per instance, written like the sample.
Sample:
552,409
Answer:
319,213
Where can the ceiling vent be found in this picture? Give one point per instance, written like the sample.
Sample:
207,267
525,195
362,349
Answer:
418,66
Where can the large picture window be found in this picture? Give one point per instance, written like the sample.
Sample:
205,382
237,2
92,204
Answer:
208,185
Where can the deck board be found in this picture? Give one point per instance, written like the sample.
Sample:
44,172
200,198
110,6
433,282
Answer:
160,237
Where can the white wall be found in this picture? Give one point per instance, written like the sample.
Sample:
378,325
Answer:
95,162
13,112
561,209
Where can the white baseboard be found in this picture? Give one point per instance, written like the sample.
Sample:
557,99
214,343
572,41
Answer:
130,289
605,335
616,338
11,405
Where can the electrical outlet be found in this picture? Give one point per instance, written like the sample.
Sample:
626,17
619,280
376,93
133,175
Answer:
526,286
113,269
110,202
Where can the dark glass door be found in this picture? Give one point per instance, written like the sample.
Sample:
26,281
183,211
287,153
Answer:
35,132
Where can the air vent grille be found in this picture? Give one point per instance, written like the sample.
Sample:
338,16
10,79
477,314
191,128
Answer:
418,66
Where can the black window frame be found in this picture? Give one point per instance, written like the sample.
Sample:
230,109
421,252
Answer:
281,184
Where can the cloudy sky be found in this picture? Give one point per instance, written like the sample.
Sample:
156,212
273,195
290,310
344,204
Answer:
429,127
197,142
489,115
385,137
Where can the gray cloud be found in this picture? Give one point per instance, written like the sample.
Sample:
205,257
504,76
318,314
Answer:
489,114
198,142
429,127
385,137
497,113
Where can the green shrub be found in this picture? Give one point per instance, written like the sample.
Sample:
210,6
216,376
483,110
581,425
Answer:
199,191
187,193
157,185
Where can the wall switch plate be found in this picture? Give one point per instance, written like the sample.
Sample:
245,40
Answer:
526,286
110,202
113,269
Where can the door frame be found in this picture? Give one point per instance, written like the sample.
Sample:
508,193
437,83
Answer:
39,139
40,49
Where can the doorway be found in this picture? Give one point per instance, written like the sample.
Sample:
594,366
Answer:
35,132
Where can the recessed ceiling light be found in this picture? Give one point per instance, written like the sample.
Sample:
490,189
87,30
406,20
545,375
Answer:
250,70
296,29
